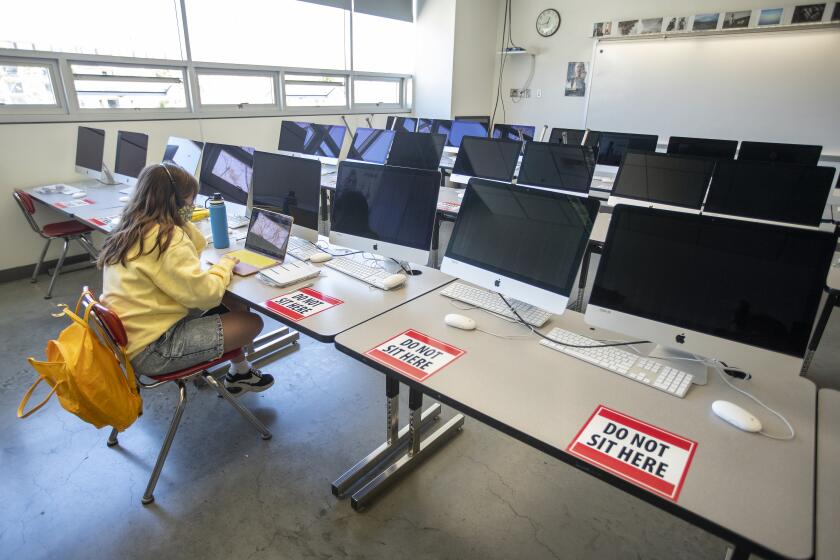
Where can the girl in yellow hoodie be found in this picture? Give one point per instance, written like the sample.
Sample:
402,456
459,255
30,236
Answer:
153,280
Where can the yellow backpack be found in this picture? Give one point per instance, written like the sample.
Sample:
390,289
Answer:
85,373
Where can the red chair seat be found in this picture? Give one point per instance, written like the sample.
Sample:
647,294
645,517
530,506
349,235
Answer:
194,369
62,229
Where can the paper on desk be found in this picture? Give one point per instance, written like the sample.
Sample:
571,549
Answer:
59,188
254,259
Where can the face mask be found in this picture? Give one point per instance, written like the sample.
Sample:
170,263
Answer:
186,212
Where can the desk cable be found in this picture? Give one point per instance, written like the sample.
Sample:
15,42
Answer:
755,399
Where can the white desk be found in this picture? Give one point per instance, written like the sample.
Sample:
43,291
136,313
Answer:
828,475
752,491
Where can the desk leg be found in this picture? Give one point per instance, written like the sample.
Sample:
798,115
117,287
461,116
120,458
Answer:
736,553
396,439
831,301
419,450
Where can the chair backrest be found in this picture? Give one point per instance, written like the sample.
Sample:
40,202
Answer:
27,206
107,319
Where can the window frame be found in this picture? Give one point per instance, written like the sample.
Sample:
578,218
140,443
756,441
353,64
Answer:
60,106
225,70
364,77
326,109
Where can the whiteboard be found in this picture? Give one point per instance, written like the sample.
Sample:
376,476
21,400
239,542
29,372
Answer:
771,86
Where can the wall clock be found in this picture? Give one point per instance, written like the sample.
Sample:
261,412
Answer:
548,22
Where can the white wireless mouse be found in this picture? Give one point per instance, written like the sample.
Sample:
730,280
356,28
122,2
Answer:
736,416
459,322
124,199
320,258
393,281
79,195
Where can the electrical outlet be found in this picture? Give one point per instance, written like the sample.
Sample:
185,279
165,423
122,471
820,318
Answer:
516,93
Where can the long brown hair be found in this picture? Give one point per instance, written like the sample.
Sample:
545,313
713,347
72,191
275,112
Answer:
162,189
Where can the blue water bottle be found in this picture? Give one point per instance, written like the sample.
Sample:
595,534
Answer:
218,222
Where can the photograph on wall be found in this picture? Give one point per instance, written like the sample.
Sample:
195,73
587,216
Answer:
705,22
835,15
651,25
629,27
576,79
770,16
736,20
808,13
602,29
677,24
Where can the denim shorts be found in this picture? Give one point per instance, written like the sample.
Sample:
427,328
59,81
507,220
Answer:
190,341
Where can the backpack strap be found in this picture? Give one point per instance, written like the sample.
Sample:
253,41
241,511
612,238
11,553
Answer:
20,412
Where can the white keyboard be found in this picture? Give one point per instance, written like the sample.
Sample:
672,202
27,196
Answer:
491,301
301,249
627,364
235,222
367,274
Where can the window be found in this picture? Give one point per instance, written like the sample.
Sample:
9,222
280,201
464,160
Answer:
149,29
369,91
235,89
270,32
315,91
382,44
26,84
128,87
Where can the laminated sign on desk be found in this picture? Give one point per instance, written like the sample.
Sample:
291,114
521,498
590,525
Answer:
415,354
301,304
74,203
647,456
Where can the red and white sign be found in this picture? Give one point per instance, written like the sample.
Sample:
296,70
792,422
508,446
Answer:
647,456
108,223
414,354
74,203
301,304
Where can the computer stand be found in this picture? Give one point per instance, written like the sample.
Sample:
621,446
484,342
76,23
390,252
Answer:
107,176
683,361
406,268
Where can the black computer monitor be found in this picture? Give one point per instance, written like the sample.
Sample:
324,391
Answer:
566,168
484,119
435,126
227,170
131,156
794,194
290,185
371,145
689,280
591,139
566,136
416,149
460,129
514,132
523,242
802,154
704,147
322,140
488,158
90,147
384,209
408,124
664,180
613,145
424,125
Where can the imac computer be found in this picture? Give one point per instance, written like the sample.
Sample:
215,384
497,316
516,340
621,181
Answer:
487,158
662,181
408,124
131,156
712,287
524,243
566,136
90,147
558,167
385,210
779,193
289,185
183,152
371,145
802,154
461,129
227,170
521,132
424,125
323,141
703,147
613,145
416,149
435,126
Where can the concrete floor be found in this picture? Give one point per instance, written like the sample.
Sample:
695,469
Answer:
225,493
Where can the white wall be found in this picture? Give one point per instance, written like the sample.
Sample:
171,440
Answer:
572,43
433,67
475,58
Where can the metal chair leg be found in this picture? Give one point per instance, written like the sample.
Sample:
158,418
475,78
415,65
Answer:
148,496
247,414
58,267
88,246
41,261
112,439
